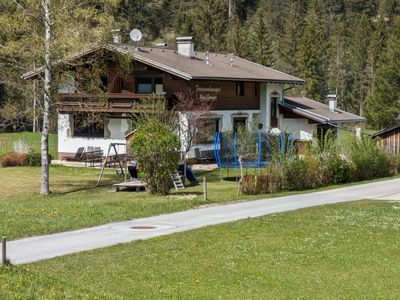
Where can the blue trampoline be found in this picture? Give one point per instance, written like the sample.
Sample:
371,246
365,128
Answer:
265,146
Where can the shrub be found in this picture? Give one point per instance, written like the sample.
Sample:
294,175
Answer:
247,185
336,169
155,148
294,170
276,178
13,159
34,159
369,160
254,184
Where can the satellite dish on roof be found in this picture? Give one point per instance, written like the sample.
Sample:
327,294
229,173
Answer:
135,35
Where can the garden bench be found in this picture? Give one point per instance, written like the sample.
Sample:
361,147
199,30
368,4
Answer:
93,157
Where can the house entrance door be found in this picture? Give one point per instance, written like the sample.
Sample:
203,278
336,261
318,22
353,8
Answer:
239,121
274,117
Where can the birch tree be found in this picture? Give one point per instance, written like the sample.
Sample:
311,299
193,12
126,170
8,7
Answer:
55,28
195,114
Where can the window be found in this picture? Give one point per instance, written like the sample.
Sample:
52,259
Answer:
274,100
257,89
274,105
67,84
88,125
239,88
144,85
104,83
207,130
149,85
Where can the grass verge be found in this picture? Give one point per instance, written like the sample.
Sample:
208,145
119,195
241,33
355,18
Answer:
76,203
337,251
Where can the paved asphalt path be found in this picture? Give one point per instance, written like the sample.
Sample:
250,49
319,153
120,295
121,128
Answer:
44,247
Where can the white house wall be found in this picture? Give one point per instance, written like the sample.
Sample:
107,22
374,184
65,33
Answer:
298,127
266,89
67,143
226,117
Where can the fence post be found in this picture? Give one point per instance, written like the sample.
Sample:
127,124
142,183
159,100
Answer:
205,188
4,250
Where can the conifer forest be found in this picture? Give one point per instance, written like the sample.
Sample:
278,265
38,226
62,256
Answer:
350,48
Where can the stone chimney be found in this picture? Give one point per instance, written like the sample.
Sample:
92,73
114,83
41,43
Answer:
116,34
332,102
185,46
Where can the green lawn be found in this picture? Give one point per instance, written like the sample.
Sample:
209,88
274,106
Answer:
331,252
76,203
32,139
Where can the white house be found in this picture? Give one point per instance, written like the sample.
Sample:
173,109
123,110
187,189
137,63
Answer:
244,92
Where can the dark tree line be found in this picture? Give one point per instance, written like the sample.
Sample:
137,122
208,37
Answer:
347,47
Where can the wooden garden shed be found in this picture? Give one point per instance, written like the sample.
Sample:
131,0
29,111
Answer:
390,139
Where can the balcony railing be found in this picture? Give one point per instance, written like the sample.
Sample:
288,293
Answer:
108,102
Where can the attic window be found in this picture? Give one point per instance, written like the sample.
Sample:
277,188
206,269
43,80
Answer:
149,85
239,88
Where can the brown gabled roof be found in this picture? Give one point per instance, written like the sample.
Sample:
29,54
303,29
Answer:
318,111
219,67
386,131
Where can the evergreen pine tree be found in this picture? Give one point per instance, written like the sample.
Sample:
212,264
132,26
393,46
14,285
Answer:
210,19
383,104
378,41
359,62
339,79
237,38
312,54
290,40
261,42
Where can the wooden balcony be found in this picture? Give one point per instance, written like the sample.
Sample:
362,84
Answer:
108,102
237,103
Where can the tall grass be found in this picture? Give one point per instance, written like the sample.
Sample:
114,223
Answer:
326,162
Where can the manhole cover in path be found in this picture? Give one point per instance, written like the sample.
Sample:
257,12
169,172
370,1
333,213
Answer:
143,227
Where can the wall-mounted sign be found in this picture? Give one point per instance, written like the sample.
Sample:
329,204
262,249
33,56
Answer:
208,94
214,90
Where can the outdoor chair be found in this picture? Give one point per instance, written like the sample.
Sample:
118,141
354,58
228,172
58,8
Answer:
93,157
79,155
199,156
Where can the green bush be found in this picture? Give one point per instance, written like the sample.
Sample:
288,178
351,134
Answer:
369,160
155,147
302,173
325,164
336,169
34,159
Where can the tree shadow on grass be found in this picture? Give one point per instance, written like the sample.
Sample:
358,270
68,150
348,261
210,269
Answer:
72,187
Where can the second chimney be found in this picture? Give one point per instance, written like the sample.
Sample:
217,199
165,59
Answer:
185,46
332,102
116,34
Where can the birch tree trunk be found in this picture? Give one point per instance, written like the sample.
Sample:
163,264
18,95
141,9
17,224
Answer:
231,8
44,186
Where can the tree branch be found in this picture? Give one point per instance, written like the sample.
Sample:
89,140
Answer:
27,12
